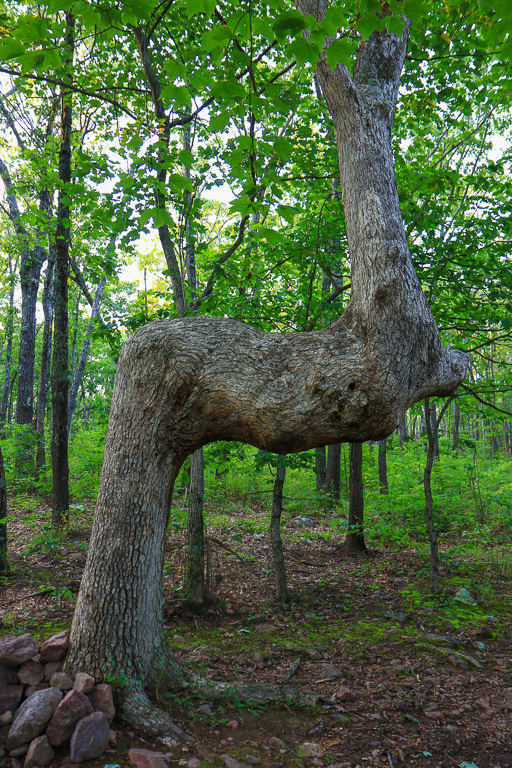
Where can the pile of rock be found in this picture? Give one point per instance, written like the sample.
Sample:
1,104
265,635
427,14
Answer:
43,709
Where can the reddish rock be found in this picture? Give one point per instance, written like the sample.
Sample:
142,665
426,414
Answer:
10,697
50,668
83,682
90,738
19,751
16,650
54,649
31,673
61,681
345,694
103,700
73,707
144,758
40,753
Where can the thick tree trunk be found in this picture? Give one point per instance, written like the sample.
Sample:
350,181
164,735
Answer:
383,467
429,503
320,468
196,588
183,383
355,543
275,536
60,383
46,357
333,471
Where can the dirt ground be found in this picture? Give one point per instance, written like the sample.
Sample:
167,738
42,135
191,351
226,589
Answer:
403,680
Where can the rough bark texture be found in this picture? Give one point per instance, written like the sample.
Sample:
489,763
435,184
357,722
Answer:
275,536
333,471
429,503
402,430
355,543
8,352
383,467
60,384
435,430
183,383
456,425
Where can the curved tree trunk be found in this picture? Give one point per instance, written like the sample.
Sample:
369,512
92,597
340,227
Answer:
275,536
182,383
355,543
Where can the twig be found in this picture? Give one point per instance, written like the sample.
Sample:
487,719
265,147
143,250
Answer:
390,761
225,546
294,667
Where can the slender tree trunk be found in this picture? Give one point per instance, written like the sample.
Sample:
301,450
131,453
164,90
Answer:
320,468
4,565
60,383
8,353
456,425
402,430
383,467
429,503
46,357
435,430
84,354
355,543
333,471
275,536
197,590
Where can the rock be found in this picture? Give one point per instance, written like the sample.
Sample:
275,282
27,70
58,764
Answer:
19,751
144,758
5,719
10,697
265,627
16,650
194,763
112,739
84,683
252,760
449,639
305,522
311,749
399,616
205,709
54,649
73,707
276,743
32,717
61,681
50,668
40,753
332,673
462,596
90,738
345,694
232,724
8,676
31,689
31,673
102,699
230,762
314,654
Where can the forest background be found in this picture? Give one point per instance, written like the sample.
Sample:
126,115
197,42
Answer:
180,160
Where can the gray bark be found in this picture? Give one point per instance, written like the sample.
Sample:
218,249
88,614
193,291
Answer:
8,352
456,425
402,430
84,354
4,565
275,536
183,383
429,503
355,543
333,471
46,357
197,590
320,468
383,467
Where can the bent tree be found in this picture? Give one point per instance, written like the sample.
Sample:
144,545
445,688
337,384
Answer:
186,382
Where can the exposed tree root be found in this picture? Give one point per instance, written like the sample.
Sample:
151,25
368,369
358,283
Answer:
250,692
137,710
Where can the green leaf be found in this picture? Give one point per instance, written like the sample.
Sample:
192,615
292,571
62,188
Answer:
10,48
186,158
179,183
340,51
290,23
195,7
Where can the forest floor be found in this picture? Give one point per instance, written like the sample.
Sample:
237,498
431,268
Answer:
404,680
